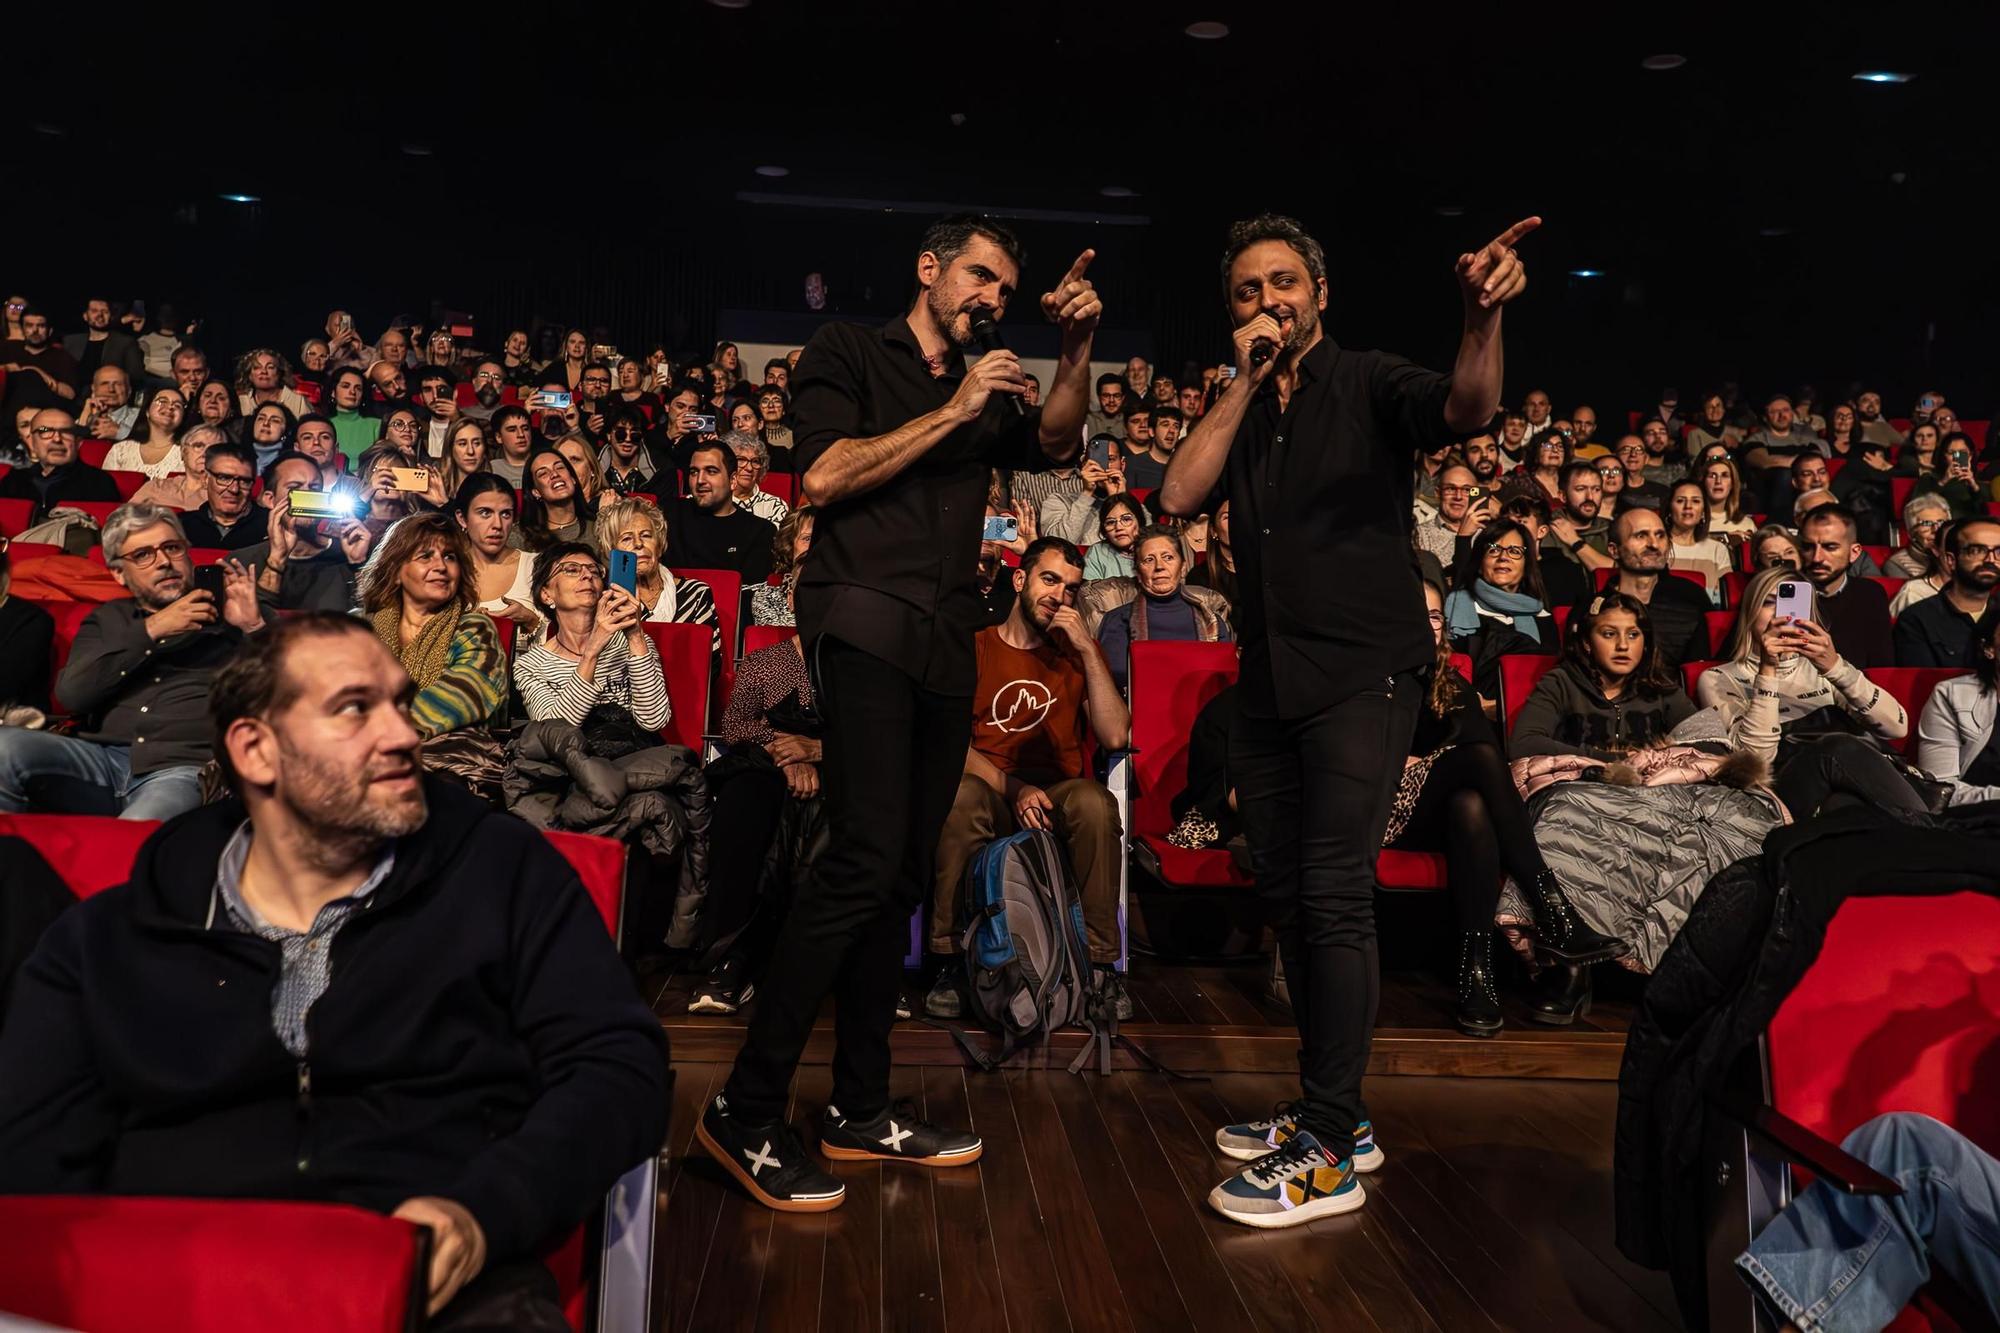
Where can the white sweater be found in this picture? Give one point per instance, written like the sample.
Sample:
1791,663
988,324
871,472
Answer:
1758,708
1956,725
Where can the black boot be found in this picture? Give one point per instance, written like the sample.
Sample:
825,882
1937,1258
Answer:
1478,998
1562,995
1560,932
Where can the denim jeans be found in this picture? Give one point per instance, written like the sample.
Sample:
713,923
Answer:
63,775
1838,1261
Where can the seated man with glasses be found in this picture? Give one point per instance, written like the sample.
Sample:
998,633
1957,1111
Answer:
1942,631
229,521
138,675
487,393
57,474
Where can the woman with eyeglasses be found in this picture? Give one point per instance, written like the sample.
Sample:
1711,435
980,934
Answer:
187,489
626,462
1499,604
154,446
465,452
594,650
1120,517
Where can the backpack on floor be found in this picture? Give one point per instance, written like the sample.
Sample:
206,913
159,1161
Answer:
1027,959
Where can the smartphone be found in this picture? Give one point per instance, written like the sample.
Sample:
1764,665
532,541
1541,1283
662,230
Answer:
703,424
1474,494
1001,528
1795,600
1229,372
345,324
556,402
411,478
1099,449
326,504
625,570
208,579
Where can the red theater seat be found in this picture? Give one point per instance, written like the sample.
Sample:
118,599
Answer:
93,452
1719,625
1170,684
1912,687
97,509
69,617
727,585
758,637
781,484
1691,672
1518,674
1889,585
128,483
15,515
686,652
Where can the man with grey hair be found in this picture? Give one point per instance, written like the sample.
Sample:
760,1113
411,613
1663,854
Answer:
108,414
753,461
138,676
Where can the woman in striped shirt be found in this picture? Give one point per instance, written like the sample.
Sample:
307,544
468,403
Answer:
594,651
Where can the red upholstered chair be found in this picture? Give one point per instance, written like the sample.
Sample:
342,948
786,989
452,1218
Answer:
1518,674
727,585
97,509
1171,682
1733,584
93,452
757,637
686,653
1912,687
1900,1012
1879,554
128,483
1899,495
19,551
15,515
1833,468
202,555
1719,625
504,626
1889,585
780,484
1559,614
69,617
90,852
1691,672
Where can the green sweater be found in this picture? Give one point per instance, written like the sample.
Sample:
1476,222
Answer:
473,686
354,433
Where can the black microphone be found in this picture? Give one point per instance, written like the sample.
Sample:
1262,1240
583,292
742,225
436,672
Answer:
987,334
1262,350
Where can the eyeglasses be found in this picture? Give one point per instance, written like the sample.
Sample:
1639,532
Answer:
51,432
147,556
1975,553
229,479
1454,490
625,432
1512,551
399,424
487,375
1928,524
572,570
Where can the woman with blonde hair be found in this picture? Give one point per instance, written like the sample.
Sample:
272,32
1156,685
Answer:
1722,488
465,452
636,524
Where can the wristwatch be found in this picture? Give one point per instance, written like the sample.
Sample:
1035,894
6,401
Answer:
1576,547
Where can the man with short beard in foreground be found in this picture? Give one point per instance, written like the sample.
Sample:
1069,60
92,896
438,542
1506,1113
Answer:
351,982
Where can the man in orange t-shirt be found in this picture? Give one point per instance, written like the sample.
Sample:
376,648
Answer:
1042,680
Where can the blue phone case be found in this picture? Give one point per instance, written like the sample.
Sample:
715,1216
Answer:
625,570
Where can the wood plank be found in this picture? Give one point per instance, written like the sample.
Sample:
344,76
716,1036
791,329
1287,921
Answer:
1153,999
850,1296
1020,1238
789,1299
1133,1257
970,1278
694,1202
912,1288
1218,987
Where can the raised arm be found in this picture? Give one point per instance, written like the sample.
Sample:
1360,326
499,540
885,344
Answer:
1199,458
1075,308
1488,278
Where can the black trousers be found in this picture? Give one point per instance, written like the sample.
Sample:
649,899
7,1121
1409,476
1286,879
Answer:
743,817
893,753
1314,795
1469,810
1835,771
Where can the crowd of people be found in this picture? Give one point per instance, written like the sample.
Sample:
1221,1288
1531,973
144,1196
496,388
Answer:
500,528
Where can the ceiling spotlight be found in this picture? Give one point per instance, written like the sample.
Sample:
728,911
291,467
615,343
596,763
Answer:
1208,30
1663,61
958,118
1586,273
1118,192
774,171
243,198
730,4
1450,210
1898,177
1883,76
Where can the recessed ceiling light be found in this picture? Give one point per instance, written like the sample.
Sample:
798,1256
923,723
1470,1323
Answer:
1883,76
1118,192
1898,177
1208,30
1663,61
1450,210
774,171
958,118
730,4
1586,273
243,198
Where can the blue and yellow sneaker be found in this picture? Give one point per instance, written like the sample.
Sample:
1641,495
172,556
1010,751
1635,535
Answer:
1251,1140
1290,1186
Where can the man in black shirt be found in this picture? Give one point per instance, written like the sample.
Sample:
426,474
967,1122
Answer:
39,372
708,530
898,437
1941,631
1854,609
1315,447
1677,608
58,475
230,520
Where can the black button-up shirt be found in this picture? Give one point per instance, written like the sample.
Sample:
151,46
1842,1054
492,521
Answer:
893,570
1330,601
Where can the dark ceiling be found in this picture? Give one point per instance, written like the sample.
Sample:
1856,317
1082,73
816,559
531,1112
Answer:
1756,214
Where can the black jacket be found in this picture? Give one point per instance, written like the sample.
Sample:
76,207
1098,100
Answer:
479,1040
1753,933
146,693
73,481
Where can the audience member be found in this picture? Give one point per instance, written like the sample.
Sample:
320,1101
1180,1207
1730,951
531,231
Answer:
125,1068
226,518
1692,548
1482,454
1072,514
1138,433
637,525
138,676
752,458
1676,610
101,347
1148,470
1108,417
305,563
1541,477
1156,604
593,651
1218,572
353,424
1866,488
154,445
1956,736
553,508
708,530
1498,605
771,603
464,454
263,376
315,439
1771,450
1564,582
1610,695
1722,489
1950,477
1120,516
1460,514
108,412
1712,428
502,574
27,632
1044,693
57,475
1773,545
578,448
1854,609
512,438
1941,631
1924,517
39,373
773,407
625,461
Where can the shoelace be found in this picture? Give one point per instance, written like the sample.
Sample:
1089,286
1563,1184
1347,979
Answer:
1279,1115
1294,1157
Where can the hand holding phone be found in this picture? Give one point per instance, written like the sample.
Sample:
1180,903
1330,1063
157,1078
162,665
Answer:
1001,528
1795,600
624,570
411,478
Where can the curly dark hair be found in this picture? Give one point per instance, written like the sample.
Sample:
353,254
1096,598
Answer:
948,237
1273,227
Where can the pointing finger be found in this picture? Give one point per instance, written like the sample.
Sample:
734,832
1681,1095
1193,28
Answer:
1517,231
1082,263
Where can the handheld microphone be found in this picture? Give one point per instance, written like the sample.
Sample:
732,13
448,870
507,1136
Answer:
987,334
1262,350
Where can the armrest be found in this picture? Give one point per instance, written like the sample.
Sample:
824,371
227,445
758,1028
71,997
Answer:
1799,1146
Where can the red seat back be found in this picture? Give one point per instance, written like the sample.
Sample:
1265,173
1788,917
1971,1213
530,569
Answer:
1879,554
1462,664
780,484
15,516
686,651
1719,625
600,864
759,637
93,452
1560,614
201,555
69,617
727,585
1733,584
1691,672
140,1265
1890,586
504,627
1171,682
1900,1012
97,509
128,483
1899,495
1912,687
1518,674
91,853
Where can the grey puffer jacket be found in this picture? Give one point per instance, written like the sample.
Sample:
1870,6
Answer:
655,799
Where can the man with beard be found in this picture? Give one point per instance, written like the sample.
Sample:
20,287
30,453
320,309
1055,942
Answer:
1482,455
1868,412
487,392
1108,417
1941,631
1678,607
593,389
1313,444
391,385
304,564
437,399
1853,608
1645,470
138,675
1583,497
57,474
101,345
898,437
39,373
1037,775
1583,424
164,1037
709,530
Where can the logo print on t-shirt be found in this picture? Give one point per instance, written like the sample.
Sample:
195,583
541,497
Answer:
1021,705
